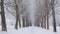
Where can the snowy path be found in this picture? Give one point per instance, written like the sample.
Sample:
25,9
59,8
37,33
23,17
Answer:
29,30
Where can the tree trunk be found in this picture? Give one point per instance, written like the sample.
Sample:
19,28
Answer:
42,23
19,22
54,20
3,16
53,13
17,17
47,10
23,22
45,22
0,12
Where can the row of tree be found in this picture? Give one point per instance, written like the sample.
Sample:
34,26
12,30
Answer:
42,19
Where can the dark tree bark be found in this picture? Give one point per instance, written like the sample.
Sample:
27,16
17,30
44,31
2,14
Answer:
42,23
0,12
19,22
23,22
45,22
17,17
54,20
53,13
3,16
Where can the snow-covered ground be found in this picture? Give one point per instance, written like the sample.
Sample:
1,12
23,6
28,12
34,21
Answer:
30,30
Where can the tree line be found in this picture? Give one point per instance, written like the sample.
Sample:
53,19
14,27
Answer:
42,19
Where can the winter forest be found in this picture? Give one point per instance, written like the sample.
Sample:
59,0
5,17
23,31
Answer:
29,16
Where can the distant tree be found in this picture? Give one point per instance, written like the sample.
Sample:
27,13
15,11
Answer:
42,23
45,21
23,21
28,22
0,12
59,24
